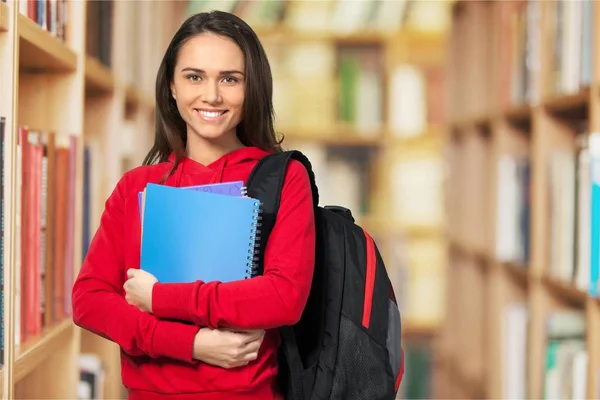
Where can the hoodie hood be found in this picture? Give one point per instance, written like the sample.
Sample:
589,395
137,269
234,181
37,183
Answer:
189,172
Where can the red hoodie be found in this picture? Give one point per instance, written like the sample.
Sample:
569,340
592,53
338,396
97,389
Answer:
156,349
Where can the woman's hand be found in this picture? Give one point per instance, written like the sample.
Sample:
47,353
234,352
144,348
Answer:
138,289
227,348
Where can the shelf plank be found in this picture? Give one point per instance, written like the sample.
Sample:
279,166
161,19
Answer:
337,135
576,103
480,255
98,78
420,329
3,17
432,137
352,38
520,116
35,350
481,122
565,291
135,99
39,50
520,271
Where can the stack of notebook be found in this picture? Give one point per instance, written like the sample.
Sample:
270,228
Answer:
206,232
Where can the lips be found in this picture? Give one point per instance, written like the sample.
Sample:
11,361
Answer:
210,115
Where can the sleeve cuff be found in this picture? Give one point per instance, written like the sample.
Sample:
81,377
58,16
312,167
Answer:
173,300
174,340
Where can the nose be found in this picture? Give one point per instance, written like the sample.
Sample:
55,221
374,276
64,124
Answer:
211,93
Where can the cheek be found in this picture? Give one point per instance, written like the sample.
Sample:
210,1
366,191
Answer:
236,98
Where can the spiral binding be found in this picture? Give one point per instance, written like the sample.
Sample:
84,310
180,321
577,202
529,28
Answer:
254,242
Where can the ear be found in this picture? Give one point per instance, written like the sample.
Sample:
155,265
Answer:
173,93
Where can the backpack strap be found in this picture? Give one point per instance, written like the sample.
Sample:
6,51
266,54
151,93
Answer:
266,183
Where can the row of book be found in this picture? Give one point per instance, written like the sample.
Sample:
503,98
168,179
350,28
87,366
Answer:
92,377
99,27
347,84
51,15
45,224
324,16
570,57
573,182
509,74
513,213
565,356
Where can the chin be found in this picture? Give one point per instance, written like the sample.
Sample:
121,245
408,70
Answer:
214,133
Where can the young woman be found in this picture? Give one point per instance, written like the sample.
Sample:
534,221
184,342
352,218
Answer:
201,340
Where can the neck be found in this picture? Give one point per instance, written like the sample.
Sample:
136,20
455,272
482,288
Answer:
205,151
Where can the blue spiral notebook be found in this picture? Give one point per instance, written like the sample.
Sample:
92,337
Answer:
234,188
191,235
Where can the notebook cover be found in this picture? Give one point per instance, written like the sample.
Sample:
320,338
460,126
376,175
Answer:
194,235
235,188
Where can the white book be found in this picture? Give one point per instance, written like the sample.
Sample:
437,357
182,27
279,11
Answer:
408,103
514,351
582,278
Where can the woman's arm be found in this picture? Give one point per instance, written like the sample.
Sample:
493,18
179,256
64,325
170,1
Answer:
276,298
99,306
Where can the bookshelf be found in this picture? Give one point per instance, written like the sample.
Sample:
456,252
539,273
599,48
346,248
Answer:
88,101
380,153
523,310
63,97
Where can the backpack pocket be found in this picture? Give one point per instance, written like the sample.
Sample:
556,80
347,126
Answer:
363,370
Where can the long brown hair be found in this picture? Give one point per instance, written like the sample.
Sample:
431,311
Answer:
256,127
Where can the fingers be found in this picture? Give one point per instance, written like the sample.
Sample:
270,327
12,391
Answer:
250,356
131,272
251,336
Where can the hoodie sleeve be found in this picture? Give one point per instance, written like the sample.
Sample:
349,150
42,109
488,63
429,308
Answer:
100,307
276,298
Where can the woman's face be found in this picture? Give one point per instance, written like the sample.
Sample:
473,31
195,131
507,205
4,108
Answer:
208,86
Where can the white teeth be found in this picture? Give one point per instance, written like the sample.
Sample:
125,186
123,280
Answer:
211,114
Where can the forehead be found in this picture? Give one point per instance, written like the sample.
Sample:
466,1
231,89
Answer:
210,52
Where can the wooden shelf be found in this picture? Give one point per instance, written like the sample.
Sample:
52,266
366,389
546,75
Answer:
566,291
469,251
519,271
3,17
481,122
337,135
98,78
520,116
54,76
40,51
410,328
433,137
35,350
570,105
283,33
134,99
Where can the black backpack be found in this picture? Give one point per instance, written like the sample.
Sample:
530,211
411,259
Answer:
347,344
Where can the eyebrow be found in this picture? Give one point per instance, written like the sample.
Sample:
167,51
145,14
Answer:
201,71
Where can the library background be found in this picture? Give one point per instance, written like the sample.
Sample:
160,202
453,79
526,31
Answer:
462,134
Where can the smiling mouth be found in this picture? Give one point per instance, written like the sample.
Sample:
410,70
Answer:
207,115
